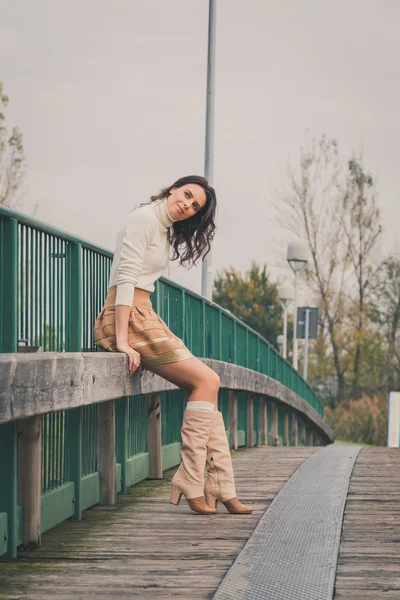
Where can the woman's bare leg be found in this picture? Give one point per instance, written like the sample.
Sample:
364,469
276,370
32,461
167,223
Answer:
203,383
193,376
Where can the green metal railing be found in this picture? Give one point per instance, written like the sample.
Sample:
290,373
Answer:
172,404
54,467
52,286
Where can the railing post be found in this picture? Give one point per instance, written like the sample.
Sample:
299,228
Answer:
303,433
233,419
29,479
73,343
203,331
9,285
234,342
286,441
154,443
74,299
106,452
30,473
9,343
274,425
74,426
295,432
220,334
122,440
250,421
8,477
183,315
263,421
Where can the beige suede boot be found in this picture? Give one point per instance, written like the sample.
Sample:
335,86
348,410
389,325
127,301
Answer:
220,484
189,478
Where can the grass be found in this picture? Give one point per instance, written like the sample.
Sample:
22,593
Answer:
355,444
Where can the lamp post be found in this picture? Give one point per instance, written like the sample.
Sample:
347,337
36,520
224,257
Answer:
297,257
285,295
206,271
280,342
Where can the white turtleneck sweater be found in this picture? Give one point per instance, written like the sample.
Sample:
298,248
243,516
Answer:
142,251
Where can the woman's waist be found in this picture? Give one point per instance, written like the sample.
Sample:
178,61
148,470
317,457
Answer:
140,298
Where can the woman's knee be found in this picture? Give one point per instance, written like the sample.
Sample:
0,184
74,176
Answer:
212,381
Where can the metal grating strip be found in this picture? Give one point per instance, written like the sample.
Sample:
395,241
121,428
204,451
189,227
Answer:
292,554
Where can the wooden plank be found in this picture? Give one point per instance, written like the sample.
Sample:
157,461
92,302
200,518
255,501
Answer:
154,443
145,547
106,452
368,565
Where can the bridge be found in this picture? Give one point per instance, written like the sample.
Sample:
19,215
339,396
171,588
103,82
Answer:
87,453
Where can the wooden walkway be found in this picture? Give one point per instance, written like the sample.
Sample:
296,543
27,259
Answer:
146,548
369,558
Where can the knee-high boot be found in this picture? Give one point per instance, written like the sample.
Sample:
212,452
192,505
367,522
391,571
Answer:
189,478
220,485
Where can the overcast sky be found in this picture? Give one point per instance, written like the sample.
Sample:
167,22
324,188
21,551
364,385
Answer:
110,97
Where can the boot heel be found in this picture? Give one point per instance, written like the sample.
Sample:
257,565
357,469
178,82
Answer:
211,501
176,495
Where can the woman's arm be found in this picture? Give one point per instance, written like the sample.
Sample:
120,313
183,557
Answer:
121,324
121,333
134,245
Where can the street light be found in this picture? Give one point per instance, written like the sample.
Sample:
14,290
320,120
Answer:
206,271
285,295
297,257
281,344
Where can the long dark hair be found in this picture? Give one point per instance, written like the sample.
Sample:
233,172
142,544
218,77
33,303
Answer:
191,239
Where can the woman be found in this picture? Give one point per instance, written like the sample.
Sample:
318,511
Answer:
182,216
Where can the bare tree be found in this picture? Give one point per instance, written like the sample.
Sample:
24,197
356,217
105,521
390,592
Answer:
385,312
313,211
335,212
362,228
12,159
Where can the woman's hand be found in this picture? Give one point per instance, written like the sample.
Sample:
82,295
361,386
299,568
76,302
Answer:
133,356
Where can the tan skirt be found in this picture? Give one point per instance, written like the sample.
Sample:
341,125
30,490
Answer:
147,332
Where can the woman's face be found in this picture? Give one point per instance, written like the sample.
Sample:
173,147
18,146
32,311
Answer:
186,201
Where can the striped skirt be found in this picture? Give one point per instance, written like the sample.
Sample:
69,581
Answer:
147,332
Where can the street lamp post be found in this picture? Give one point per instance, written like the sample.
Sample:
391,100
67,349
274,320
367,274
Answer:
297,257
280,342
206,271
285,295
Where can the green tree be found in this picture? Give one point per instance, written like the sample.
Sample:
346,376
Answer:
251,297
12,159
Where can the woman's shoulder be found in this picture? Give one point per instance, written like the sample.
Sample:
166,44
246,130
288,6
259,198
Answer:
142,215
